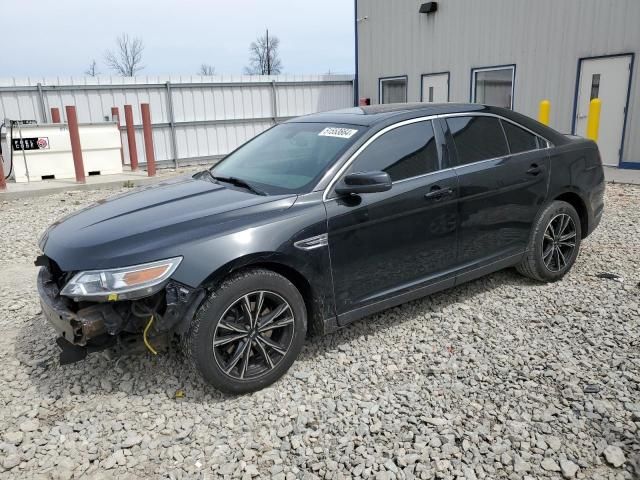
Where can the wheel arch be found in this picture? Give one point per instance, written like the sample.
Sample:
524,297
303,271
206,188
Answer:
576,201
277,263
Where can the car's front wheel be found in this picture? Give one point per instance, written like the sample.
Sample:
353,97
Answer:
248,332
554,243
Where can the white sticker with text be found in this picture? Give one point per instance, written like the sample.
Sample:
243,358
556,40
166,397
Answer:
337,132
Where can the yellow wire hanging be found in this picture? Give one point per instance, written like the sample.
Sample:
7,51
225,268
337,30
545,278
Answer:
144,336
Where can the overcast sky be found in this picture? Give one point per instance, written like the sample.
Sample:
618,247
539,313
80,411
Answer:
50,38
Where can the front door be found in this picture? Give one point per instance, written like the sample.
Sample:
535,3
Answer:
388,243
607,79
435,88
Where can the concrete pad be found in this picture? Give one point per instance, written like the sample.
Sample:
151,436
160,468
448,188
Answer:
622,175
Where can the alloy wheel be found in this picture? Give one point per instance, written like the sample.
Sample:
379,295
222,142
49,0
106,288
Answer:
253,335
559,242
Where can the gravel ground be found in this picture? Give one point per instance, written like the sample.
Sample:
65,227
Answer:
498,378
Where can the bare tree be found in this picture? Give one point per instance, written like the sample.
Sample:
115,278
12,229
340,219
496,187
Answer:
206,69
126,60
92,71
263,56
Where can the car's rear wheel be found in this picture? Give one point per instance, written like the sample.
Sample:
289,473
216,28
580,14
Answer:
248,331
554,243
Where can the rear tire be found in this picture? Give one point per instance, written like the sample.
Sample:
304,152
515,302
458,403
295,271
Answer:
554,243
248,331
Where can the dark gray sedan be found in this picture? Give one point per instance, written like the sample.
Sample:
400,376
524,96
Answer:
313,224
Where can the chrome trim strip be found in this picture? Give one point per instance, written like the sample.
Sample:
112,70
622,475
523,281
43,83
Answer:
420,176
312,243
485,114
353,157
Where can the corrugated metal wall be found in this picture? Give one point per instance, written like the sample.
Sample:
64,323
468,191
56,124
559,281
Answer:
194,118
543,38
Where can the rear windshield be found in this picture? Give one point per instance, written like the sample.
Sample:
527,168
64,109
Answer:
290,157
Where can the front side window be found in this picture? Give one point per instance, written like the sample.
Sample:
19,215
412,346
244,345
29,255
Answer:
290,157
493,86
477,138
404,152
393,90
519,139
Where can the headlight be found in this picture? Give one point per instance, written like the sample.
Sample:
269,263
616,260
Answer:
121,283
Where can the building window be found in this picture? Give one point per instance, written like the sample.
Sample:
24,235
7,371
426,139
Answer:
393,90
493,86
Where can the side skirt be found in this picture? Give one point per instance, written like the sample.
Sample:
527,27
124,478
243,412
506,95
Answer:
344,319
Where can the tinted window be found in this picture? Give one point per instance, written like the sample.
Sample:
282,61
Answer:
477,138
290,157
403,152
519,140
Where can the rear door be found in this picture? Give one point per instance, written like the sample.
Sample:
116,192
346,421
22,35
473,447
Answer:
502,173
387,243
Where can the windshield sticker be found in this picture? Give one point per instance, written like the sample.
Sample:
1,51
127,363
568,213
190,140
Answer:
337,132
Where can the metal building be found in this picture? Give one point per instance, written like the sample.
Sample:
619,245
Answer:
510,53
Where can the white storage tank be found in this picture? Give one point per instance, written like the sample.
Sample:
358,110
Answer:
43,151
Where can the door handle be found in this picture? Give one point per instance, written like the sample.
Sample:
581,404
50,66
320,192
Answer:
436,193
534,169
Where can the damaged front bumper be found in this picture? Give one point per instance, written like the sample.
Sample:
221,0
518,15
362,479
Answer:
87,327
75,327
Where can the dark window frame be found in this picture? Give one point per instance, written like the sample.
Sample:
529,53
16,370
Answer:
394,77
447,73
475,70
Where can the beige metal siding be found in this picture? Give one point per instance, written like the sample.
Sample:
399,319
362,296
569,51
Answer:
543,38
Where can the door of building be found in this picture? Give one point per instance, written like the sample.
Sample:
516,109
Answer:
606,78
435,88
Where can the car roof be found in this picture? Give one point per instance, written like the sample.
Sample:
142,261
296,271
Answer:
370,115
387,114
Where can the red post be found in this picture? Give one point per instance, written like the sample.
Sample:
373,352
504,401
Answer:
76,149
131,137
55,115
3,182
148,139
115,114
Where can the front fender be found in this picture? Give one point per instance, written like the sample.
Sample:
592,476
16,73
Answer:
209,261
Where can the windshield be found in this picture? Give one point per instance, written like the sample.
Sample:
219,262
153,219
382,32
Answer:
288,158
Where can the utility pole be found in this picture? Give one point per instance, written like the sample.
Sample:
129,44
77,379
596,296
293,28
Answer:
268,55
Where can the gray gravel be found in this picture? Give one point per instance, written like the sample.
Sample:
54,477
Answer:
499,378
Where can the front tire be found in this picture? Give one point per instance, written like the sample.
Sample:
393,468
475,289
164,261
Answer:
248,331
554,243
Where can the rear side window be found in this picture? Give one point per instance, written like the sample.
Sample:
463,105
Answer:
477,138
403,152
519,139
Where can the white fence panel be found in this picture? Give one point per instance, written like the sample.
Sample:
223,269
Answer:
194,118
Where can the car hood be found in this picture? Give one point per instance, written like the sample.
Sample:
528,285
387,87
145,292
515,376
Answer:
154,222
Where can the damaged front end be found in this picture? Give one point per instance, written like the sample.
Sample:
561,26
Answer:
127,321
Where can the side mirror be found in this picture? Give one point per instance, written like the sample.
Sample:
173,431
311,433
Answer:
364,182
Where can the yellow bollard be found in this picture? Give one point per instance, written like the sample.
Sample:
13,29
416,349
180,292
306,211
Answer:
544,113
593,120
